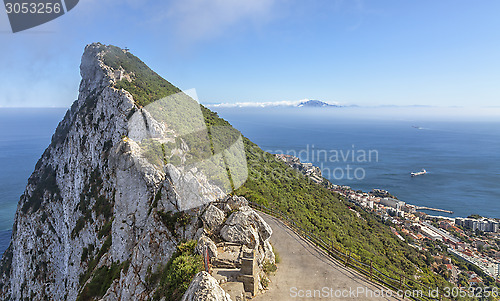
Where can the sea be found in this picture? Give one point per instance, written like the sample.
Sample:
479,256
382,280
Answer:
364,148
379,147
24,135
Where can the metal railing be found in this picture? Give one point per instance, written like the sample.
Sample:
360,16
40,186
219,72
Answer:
401,284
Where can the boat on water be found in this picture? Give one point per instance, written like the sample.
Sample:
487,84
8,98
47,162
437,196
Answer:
419,173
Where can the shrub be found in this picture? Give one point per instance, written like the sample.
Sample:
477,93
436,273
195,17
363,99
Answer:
80,224
44,183
269,267
173,279
264,281
106,229
102,280
277,257
174,221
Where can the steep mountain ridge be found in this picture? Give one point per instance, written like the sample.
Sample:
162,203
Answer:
95,207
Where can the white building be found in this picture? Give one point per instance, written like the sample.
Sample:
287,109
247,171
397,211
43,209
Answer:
393,203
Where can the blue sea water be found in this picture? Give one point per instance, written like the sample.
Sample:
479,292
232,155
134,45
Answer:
461,154
24,135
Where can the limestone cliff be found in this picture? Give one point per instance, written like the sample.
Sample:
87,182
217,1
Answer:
103,207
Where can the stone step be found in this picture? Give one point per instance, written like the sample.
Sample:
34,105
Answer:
235,290
226,275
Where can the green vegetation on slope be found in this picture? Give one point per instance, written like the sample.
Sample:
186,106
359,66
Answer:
102,280
173,279
146,85
96,286
45,183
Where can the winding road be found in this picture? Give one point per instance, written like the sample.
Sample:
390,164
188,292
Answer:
307,273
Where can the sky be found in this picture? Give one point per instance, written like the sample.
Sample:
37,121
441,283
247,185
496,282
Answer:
368,53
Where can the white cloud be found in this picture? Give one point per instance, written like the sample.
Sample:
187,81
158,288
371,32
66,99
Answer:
256,104
283,103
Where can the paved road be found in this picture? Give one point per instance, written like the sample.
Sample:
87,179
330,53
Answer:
304,268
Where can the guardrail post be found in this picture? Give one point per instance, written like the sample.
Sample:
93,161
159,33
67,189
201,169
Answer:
401,283
347,260
371,270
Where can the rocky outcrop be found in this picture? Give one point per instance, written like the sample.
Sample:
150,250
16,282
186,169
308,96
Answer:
233,202
85,201
237,252
213,217
241,232
206,244
205,287
247,227
267,253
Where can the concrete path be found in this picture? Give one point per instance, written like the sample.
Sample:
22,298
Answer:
306,273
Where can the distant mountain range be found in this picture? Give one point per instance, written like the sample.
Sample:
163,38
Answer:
316,103
296,103
311,103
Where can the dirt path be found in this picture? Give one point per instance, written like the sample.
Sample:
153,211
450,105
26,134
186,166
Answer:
305,273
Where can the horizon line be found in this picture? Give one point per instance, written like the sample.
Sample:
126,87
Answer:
282,103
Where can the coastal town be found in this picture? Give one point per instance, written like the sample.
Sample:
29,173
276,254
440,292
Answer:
464,250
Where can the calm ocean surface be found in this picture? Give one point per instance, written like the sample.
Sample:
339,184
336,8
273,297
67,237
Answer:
24,135
461,155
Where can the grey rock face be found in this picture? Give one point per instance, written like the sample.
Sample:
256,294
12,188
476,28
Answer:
199,233
247,227
268,253
241,233
205,243
205,287
97,202
213,217
236,202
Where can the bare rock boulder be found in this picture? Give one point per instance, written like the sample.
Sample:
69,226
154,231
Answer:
205,287
247,227
236,202
199,233
213,217
241,233
268,252
205,243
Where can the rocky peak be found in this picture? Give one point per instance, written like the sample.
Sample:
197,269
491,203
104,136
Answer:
95,74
